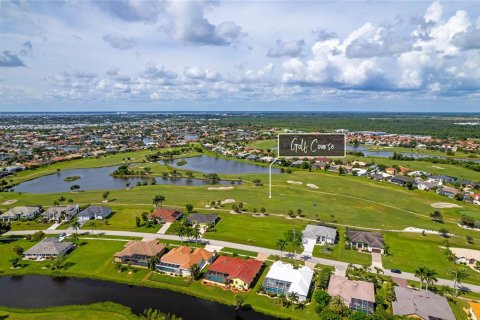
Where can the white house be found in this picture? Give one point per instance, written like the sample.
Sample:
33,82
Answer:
20,212
282,278
319,234
61,213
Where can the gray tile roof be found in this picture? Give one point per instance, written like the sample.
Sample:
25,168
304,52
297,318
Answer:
94,211
373,239
203,218
423,303
312,232
49,246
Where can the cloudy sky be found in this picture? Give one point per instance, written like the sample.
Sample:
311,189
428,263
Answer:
239,55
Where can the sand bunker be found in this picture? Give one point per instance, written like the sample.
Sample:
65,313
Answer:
437,167
9,202
294,182
312,186
220,188
227,201
445,205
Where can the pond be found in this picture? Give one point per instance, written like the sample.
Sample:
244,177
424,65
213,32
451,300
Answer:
42,291
207,164
95,179
388,154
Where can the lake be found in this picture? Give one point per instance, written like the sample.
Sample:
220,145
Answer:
208,164
388,154
96,179
42,291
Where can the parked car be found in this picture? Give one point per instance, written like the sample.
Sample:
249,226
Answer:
395,271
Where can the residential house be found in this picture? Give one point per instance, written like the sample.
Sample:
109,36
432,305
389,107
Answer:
138,253
94,213
366,240
282,278
48,248
448,191
400,180
319,234
233,272
165,215
20,212
427,185
443,178
359,172
297,163
421,304
203,219
473,198
178,261
61,213
466,256
357,295
390,170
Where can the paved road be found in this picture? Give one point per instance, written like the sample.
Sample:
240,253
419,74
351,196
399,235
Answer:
340,267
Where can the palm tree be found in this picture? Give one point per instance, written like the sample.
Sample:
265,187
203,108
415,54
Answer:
421,273
281,245
292,296
237,302
181,232
459,275
338,306
158,199
76,225
194,271
196,232
430,277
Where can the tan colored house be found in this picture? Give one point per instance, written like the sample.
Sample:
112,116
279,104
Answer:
138,253
178,261
357,295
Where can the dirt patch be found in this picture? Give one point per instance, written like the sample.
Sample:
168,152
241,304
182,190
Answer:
444,205
294,182
9,202
220,188
312,186
227,201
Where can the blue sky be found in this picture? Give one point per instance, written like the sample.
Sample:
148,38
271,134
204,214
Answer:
239,55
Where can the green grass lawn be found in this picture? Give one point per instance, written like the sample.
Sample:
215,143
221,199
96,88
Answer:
255,231
411,251
30,225
341,253
98,311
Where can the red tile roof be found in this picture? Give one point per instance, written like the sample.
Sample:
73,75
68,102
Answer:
165,214
246,270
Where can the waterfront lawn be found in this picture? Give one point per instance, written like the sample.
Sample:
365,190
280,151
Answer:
178,281
341,253
410,251
98,311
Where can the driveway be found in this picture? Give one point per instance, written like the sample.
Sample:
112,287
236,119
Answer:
377,260
164,228
308,246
